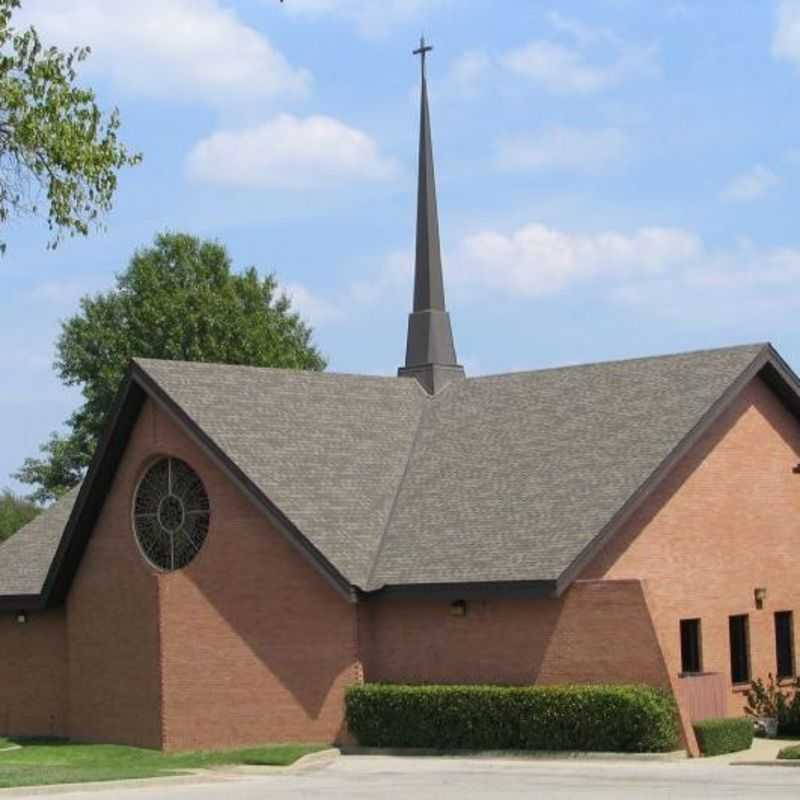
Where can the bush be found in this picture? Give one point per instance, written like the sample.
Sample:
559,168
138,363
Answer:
718,736
790,753
789,713
587,717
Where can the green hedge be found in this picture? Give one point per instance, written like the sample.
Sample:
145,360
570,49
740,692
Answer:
718,736
790,753
586,717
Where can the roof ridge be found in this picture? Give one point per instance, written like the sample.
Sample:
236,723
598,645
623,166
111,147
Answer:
756,346
424,413
323,374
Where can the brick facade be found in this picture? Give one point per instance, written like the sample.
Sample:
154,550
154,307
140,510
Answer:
724,523
256,645
33,674
250,644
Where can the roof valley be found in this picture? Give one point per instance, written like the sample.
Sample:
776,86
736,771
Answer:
424,414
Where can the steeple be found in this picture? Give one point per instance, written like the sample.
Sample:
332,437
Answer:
430,353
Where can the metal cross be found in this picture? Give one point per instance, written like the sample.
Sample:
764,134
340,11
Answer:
421,51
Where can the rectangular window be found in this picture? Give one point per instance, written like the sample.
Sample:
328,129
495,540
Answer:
740,648
784,643
691,654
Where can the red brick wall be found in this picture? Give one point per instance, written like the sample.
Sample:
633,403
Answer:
598,631
256,645
248,644
33,675
112,623
725,522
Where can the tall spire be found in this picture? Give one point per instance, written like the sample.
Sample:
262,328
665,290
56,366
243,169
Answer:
430,353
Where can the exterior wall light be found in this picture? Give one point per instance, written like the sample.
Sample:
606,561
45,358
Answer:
22,617
761,596
458,608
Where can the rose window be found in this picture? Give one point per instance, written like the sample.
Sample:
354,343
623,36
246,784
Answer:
170,514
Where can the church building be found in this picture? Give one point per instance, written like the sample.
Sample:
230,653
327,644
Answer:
250,542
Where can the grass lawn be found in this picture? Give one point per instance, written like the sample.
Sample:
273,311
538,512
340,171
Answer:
792,752
43,762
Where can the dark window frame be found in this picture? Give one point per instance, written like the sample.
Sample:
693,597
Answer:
691,635
739,646
784,645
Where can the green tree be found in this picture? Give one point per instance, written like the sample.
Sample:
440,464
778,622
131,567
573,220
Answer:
59,154
177,300
14,513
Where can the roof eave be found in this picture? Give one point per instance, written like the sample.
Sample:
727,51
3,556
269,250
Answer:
21,602
465,590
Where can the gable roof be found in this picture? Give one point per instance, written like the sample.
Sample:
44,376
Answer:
328,450
513,476
510,480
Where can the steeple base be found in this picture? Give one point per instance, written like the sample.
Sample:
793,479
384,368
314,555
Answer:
433,377
430,339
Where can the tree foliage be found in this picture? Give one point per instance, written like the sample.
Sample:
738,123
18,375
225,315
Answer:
57,148
177,300
14,513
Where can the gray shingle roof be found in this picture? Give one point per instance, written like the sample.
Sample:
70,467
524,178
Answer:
25,558
501,478
513,475
328,450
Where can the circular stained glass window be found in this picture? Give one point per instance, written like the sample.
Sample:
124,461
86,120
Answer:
170,514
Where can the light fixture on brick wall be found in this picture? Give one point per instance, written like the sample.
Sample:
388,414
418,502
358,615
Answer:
458,608
761,596
22,617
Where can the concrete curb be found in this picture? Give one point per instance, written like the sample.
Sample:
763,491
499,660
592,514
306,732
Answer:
540,755
778,762
307,763
315,760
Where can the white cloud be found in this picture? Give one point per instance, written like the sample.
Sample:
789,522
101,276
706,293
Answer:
371,17
392,280
583,34
669,272
594,60
656,271
467,72
751,185
537,260
786,38
179,49
289,152
311,306
563,148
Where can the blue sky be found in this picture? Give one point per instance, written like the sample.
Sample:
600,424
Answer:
616,177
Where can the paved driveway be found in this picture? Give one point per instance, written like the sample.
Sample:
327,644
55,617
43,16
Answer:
445,778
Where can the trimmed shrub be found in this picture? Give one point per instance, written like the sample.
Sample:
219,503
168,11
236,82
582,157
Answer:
790,753
625,719
718,736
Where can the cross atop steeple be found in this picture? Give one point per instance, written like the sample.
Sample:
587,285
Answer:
421,51
430,354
